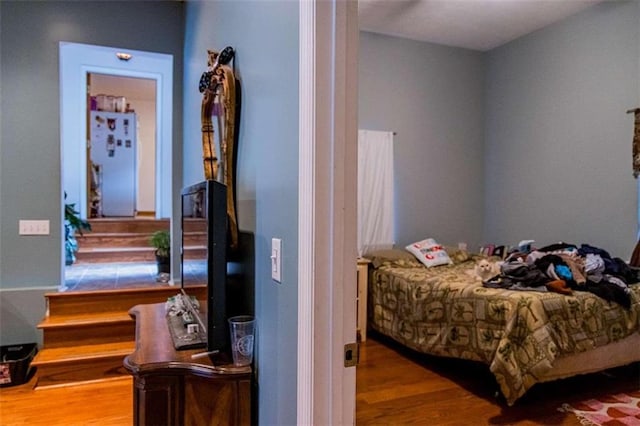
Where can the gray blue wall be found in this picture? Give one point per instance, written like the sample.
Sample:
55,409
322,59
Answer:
558,140
529,140
265,36
433,97
554,107
30,130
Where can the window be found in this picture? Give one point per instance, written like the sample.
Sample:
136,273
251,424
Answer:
375,191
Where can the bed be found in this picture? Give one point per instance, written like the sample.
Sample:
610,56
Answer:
525,337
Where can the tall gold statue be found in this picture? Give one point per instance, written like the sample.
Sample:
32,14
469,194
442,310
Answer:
219,98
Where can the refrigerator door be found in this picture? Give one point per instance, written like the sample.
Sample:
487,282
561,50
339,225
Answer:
113,147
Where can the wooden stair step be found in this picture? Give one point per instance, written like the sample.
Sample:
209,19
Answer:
82,352
119,254
83,319
86,329
81,363
146,225
129,239
119,249
145,249
117,225
129,254
88,334
115,239
81,302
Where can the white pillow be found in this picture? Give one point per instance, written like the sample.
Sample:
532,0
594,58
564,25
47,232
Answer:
429,252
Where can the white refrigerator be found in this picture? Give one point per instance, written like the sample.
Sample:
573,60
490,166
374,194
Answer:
113,148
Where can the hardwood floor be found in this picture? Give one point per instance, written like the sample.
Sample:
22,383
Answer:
105,403
395,386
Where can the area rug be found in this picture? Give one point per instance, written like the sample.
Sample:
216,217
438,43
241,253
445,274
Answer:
622,409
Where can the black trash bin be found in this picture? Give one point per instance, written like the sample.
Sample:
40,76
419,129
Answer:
14,363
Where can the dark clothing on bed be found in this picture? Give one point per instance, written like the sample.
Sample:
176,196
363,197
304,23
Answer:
610,292
567,268
612,266
558,246
518,273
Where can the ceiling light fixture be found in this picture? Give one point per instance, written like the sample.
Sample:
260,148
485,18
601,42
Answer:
124,56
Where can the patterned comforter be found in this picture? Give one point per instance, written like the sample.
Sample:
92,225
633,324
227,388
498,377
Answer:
444,311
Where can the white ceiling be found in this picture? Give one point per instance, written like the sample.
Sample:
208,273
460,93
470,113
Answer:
472,24
142,89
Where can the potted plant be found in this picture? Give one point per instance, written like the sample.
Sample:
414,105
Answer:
161,241
72,223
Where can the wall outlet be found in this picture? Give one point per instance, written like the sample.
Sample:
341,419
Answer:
33,227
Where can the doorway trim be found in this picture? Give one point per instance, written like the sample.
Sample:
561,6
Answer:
76,60
327,204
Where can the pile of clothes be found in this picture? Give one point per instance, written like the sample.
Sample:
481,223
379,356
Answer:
564,268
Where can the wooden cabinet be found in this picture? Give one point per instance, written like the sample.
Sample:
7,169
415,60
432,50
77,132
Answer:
170,388
361,298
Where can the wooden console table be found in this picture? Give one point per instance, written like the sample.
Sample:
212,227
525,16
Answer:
170,388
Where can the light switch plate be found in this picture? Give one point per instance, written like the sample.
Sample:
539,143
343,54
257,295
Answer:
276,259
33,227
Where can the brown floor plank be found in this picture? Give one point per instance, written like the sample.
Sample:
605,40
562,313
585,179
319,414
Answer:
397,386
394,387
107,403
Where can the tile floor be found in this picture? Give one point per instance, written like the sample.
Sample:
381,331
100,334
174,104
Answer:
111,276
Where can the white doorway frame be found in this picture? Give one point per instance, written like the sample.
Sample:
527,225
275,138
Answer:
327,210
76,61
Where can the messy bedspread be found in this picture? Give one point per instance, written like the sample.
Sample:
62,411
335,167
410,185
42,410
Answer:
565,268
444,311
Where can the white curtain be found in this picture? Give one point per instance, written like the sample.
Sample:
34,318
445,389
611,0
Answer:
375,191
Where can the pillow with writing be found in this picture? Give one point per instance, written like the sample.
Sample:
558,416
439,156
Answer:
429,252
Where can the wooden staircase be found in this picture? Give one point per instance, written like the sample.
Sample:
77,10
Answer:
88,334
127,240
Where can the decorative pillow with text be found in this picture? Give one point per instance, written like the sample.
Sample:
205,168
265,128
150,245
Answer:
429,252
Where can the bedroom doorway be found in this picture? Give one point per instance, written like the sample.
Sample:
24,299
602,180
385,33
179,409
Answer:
77,63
